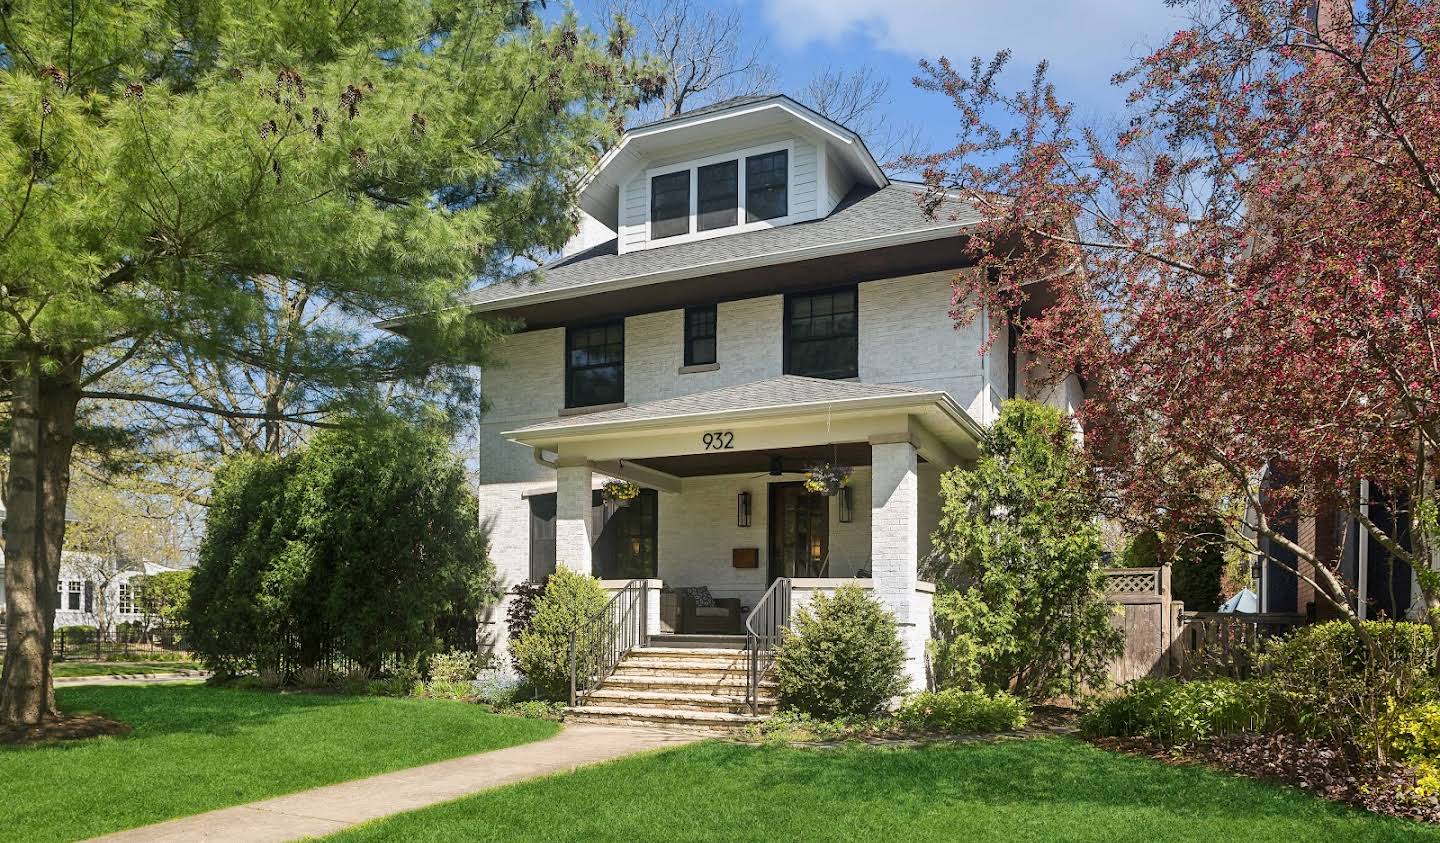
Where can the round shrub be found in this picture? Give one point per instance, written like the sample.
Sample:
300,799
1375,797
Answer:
962,712
76,635
1331,684
542,652
454,666
1181,713
842,658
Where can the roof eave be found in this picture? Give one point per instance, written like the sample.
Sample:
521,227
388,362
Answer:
578,430
823,250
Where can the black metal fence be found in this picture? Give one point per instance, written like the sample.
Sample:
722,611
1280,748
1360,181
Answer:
76,643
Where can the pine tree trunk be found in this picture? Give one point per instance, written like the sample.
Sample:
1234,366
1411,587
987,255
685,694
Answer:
42,437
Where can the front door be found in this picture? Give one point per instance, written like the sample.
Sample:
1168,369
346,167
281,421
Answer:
799,532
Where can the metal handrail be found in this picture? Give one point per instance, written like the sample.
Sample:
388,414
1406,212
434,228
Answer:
607,637
772,613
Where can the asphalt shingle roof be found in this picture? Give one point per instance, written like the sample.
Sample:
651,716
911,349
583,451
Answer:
864,212
722,105
783,391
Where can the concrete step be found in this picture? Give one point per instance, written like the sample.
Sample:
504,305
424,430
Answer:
707,722
653,650
677,701
695,684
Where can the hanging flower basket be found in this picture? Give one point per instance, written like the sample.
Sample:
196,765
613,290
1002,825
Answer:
827,479
621,492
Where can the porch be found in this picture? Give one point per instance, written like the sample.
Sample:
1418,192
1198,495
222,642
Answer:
723,507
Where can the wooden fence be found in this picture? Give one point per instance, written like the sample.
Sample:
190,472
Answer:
1162,639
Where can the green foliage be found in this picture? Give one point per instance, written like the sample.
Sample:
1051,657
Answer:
542,652
1415,739
164,596
1199,563
1141,551
1333,684
359,547
843,657
1180,713
1020,604
958,712
454,666
76,635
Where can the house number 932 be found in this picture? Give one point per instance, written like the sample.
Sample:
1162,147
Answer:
720,440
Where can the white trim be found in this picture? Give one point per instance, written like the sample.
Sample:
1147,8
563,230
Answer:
943,400
782,102
879,241
693,232
1362,556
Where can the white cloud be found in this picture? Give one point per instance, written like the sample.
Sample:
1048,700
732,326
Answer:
1083,39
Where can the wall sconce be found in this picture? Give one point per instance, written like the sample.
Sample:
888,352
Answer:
847,505
742,509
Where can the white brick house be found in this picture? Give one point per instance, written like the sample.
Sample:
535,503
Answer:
749,295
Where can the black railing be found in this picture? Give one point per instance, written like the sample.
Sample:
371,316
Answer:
599,644
767,622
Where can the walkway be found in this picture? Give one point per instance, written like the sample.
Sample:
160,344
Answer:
325,810
132,678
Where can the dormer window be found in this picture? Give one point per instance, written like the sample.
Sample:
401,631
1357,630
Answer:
765,191
670,204
719,201
721,194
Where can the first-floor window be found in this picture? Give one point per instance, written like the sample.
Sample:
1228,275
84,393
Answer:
627,538
126,600
76,591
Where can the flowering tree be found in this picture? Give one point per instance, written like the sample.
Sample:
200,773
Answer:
1246,273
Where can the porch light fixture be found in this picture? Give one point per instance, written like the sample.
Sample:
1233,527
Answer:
742,509
847,505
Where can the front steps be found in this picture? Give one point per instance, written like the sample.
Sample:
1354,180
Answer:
681,685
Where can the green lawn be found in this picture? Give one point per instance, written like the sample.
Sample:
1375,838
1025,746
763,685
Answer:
195,748
1052,789
64,670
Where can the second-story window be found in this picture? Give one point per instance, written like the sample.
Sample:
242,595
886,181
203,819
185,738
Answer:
822,335
670,204
595,365
700,335
765,192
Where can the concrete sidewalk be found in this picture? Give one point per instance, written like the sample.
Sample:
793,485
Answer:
325,810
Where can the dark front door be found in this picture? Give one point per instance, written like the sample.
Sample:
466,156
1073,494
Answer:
799,531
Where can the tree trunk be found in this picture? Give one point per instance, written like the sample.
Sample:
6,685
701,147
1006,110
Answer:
41,440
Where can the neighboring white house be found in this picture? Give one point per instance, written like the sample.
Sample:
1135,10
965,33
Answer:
748,296
79,589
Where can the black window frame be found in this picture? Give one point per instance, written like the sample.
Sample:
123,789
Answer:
655,194
570,367
853,336
707,315
733,197
783,187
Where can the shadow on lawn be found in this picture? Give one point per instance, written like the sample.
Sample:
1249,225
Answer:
198,709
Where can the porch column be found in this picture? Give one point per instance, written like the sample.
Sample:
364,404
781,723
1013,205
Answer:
894,543
572,515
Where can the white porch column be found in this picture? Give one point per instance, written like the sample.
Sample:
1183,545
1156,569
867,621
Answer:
894,543
572,515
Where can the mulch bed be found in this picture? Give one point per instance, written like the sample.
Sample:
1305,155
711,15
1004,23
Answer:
67,728
1311,765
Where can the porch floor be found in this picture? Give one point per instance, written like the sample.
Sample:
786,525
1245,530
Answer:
675,639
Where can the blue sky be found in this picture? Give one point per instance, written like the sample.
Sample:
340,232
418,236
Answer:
1086,41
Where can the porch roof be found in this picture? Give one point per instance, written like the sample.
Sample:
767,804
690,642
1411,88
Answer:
770,403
